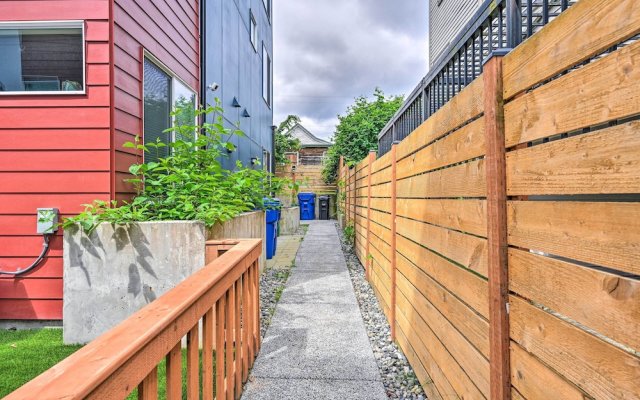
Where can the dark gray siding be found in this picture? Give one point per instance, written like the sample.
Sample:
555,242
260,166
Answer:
232,62
446,20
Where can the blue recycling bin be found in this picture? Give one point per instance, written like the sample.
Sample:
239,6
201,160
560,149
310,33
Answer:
272,216
307,203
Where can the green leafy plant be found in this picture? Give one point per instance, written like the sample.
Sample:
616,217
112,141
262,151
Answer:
349,233
284,141
357,131
188,184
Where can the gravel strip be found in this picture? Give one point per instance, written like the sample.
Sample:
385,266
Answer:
398,377
272,283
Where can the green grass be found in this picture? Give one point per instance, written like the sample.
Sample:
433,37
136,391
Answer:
26,354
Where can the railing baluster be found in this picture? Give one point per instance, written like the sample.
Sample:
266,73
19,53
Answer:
148,388
250,317
127,357
245,327
256,299
220,320
238,342
174,373
230,324
207,355
193,380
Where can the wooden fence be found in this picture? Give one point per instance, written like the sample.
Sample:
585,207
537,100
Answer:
223,297
502,237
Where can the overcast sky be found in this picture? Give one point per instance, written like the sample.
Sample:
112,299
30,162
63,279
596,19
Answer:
329,51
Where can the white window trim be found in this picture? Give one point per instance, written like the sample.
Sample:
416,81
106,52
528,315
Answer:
268,100
268,8
253,22
174,77
51,25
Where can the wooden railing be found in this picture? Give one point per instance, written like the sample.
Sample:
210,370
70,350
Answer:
223,297
502,235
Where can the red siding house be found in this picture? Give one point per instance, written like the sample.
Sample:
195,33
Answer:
74,77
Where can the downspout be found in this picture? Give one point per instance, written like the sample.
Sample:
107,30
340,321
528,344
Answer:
203,53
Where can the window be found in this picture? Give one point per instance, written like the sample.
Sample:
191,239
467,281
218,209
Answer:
163,93
267,7
266,76
42,57
254,31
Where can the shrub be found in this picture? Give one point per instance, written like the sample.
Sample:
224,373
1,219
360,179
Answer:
190,183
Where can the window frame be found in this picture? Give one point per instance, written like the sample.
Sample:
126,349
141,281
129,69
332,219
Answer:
55,24
174,77
269,76
267,8
253,30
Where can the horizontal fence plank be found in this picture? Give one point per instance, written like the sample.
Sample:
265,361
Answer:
463,107
604,90
424,377
462,215
474,328
600,369
606,303
472,361
605,161
381,190
588,28
381,204
534,380
466,250
381,163
380,176
604,234
381,218
459,379
468,287
461,145
465,180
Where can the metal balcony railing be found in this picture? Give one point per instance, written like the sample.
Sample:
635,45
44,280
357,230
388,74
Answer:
498,24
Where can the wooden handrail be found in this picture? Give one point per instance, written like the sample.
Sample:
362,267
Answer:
127,356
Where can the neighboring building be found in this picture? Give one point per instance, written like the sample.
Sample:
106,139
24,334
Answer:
78,79
312,148
239,32
447,18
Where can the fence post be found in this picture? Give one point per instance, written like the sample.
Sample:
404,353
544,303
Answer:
341,189
393,239
372,157
500,373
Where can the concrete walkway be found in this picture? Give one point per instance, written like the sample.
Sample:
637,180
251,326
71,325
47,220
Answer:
317,346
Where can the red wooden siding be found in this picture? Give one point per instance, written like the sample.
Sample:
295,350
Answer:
54,152
168,29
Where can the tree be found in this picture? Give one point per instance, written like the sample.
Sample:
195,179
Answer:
357,131
285,142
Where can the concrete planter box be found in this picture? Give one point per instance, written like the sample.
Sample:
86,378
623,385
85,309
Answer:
289,220
119,269
249,225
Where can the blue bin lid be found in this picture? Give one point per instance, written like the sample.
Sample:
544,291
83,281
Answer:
271,202
306,196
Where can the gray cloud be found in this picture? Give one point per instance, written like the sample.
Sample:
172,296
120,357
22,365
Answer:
329,51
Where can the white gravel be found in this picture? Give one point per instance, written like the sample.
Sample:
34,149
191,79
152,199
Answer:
398,377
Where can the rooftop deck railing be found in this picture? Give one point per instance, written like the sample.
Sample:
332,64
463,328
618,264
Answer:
223,297
498,24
